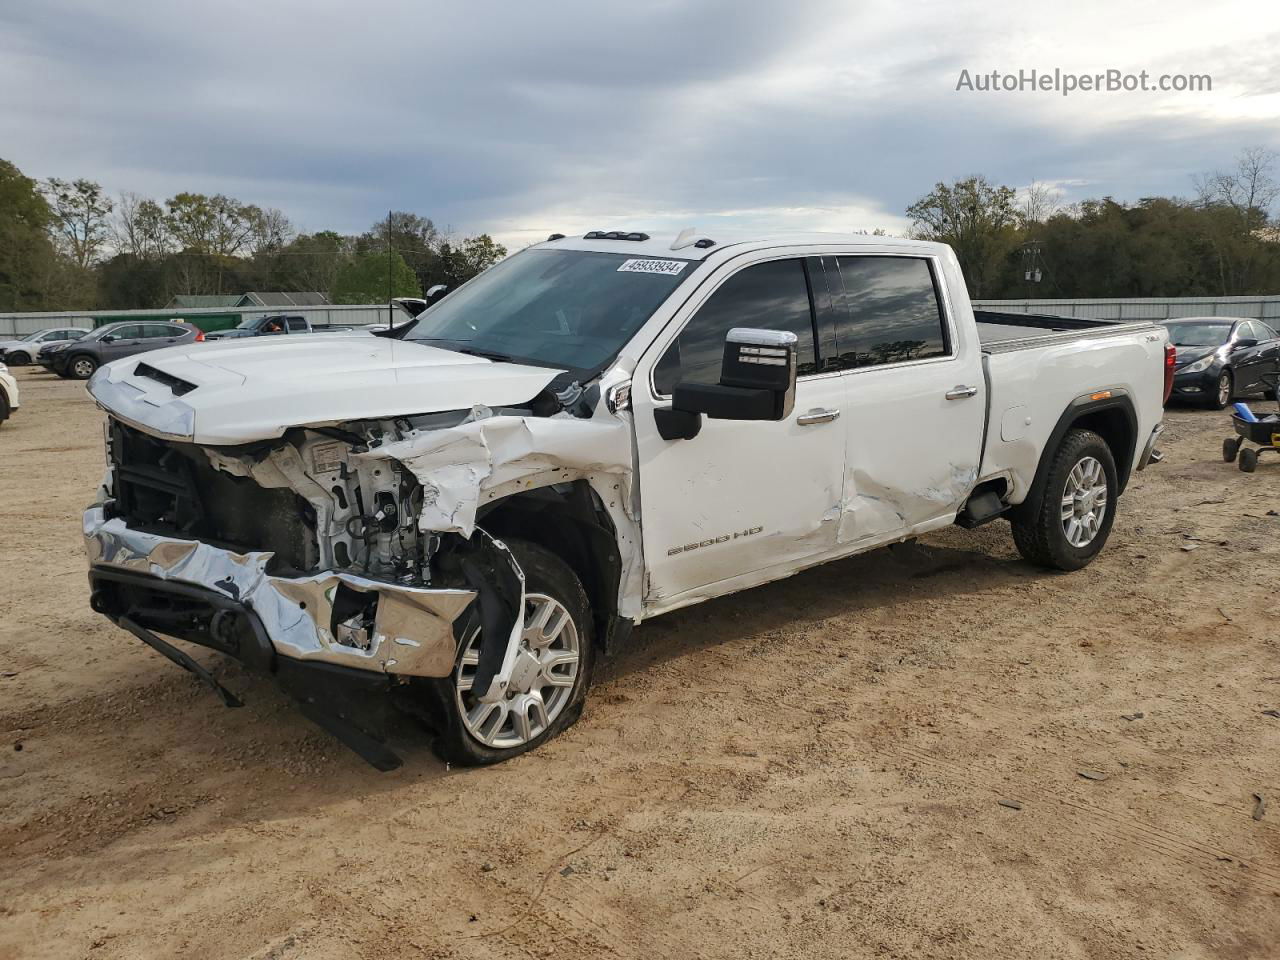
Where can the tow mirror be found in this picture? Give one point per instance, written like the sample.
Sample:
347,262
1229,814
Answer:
1245,342
435,293
757,382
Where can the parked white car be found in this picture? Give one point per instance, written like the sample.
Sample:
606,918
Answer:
8,394
458,517
17,353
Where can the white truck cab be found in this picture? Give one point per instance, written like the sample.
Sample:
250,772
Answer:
457,515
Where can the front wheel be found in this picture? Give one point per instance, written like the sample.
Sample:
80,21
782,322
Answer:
551,676
1072,519
1223,391
16,358
1231,447
82,367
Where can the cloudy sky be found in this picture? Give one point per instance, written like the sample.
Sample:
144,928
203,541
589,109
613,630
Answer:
525,118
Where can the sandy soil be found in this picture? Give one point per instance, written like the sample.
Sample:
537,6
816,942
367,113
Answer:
878,758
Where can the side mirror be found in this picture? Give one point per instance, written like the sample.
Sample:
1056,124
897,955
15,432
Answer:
1245,342
757,382
109,338
435,293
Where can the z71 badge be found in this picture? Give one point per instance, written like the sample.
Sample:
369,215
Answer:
714,540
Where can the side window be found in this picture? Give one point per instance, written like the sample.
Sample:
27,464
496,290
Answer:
131,332
74,334
297,324
1267,332
893,312
154,331
769,296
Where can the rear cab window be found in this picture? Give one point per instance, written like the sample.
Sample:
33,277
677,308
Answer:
891,312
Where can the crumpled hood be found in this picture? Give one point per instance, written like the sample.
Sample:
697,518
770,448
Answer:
1192,354
238,391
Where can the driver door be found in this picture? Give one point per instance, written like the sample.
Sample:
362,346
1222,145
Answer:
742,498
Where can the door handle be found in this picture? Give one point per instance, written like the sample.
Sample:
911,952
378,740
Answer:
817,416
961,392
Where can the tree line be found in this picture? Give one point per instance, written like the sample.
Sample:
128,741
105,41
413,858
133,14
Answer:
1224,240
67,245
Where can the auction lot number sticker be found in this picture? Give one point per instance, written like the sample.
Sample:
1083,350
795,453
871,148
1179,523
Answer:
646,265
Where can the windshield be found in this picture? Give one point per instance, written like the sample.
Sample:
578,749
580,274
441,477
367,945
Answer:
562,308
1198,334
31,337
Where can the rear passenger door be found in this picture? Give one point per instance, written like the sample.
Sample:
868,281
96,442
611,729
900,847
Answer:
742,498
916,403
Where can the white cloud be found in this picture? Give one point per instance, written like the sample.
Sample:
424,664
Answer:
560,116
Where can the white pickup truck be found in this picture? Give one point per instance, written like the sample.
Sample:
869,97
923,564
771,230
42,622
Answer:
457,516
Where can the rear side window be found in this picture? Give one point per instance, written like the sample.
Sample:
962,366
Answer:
768,296
892,314
297,323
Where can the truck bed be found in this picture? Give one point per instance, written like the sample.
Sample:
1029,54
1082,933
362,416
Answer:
1006,332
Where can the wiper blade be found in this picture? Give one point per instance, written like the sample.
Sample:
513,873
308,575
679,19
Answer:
487,354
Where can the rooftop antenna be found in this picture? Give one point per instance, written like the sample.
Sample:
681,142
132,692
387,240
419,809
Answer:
690,237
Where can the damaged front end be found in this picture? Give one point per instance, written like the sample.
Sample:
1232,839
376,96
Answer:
300,558
343,560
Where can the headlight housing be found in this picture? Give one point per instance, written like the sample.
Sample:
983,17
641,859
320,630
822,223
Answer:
1199,366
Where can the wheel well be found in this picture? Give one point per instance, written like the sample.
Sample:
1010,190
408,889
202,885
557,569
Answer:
1117,429
569,520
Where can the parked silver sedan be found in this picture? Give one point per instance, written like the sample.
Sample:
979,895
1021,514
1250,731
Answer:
18,353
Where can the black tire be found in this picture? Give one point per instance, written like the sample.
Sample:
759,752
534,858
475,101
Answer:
4,407
1216,402
1248,460
1038,527
547,574
1230,448
81,366
16,359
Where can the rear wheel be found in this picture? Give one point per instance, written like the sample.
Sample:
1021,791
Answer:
1223,391
82,367
548,685
1071,521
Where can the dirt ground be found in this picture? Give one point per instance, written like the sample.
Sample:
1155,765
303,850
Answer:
881,757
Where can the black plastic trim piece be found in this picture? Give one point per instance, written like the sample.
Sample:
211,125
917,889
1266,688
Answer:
677,424
181,659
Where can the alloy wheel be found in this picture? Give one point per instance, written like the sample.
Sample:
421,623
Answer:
541,683
1084,502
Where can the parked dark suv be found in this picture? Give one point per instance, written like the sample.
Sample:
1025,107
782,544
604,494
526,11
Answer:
80,358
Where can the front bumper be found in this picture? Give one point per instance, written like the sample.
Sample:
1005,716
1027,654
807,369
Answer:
413,631
1196,386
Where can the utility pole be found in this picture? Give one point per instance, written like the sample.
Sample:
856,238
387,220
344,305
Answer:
390,287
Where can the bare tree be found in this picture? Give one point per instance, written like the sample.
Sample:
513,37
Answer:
80,212
1037,202
139,227
269,229
1250,189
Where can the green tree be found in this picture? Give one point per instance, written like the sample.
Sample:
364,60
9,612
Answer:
81,213
977,218
458,264
365,280
28,260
